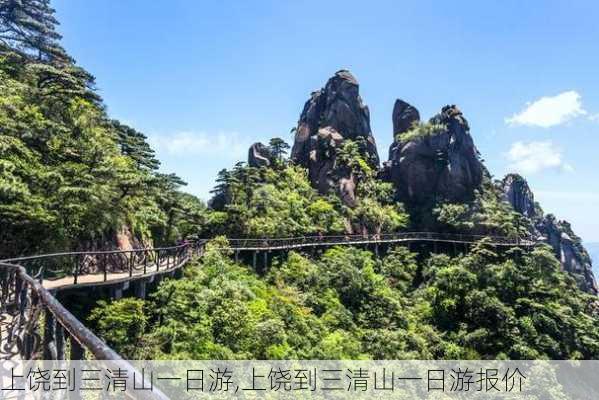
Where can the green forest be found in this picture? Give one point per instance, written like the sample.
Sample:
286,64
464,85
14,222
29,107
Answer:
347,304
72,178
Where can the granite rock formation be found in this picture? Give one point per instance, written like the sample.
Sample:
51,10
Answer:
566,245
332,115
517,192
404,116
443,165
259,155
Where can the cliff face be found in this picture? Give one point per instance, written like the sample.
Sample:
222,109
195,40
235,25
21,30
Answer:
332,115
518,194
567,246
433,162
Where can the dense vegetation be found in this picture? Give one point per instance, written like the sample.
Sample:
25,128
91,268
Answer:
348,304
70,177
73,178
279,201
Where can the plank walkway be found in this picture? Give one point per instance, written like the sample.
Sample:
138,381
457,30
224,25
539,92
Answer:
98,279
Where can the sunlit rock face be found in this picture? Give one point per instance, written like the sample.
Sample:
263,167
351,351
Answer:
569,250
566,245
333,114
518,194
442,166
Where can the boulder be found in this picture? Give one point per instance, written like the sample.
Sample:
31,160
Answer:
441,165
259,156
331,115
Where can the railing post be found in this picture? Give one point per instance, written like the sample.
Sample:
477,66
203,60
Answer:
105,266
49,337
59,334
130,262
157,260
77,351
76,272
146,254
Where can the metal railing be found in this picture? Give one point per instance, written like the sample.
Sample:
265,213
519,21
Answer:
310,241
35,326
26,305
101,264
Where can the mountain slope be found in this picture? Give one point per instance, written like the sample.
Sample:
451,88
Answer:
71,177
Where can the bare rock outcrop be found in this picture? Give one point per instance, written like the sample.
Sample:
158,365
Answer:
259,155
559,235
517,192
332,115
404,116
437,162
569,250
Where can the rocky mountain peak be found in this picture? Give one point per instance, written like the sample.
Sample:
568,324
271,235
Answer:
435,160
404,116
259,155
332,114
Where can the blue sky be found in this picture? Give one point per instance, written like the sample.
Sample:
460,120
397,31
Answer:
206,79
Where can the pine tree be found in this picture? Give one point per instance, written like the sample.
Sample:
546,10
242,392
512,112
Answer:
30,27
278,148
134,145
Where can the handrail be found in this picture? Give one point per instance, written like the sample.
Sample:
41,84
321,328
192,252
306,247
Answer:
93,252
23,301
305,241
68,321
24,335
23,296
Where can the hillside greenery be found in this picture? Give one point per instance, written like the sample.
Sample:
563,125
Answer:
71,177
348,304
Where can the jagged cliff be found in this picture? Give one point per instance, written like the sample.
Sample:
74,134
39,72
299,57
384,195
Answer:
567,246
332,115
431,165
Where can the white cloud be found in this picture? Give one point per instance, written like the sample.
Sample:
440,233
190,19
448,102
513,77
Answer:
549,111
533,157
227,144
594,117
